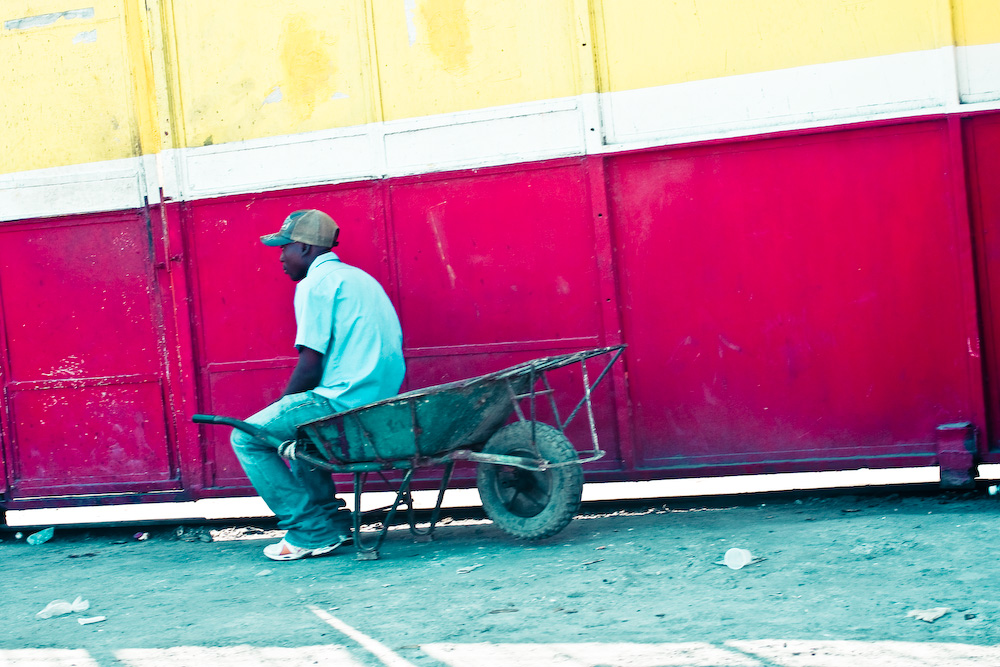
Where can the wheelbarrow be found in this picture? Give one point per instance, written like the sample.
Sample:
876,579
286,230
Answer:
529,475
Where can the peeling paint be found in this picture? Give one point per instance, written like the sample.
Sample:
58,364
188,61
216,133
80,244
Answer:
87,37
410,7
42,20
71,366
339,96
274,96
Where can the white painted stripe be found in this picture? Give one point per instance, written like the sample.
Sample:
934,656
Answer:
743,104
500,135
808,653
46,657
886,87
692,654
784,653
264,164
979,73
373,646
86,188
238,656
781,652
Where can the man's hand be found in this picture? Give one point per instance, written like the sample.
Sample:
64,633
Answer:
308,372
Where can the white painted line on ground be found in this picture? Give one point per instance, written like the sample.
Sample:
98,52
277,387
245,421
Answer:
588,654
373,646
808,653
46,657
783,652
236,656
779,652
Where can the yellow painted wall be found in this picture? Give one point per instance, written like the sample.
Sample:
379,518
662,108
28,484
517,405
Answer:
138,76
657,42
436,56
258,68
65,92
977,22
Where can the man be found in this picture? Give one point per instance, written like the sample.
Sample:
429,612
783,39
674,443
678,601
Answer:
350,353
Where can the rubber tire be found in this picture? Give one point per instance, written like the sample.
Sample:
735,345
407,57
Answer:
554,494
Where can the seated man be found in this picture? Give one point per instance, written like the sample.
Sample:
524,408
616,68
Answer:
350,353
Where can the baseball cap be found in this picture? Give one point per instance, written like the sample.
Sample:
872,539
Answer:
307,226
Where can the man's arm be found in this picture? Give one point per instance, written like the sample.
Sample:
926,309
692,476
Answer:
308,372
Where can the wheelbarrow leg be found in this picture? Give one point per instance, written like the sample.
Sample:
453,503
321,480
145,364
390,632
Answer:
370,551
427,534
363,552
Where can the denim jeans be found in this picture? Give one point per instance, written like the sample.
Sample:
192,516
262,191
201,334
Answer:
304,498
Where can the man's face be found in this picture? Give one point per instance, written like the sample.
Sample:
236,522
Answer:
293,260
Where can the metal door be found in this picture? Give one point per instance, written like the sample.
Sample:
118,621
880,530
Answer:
982,143
84,359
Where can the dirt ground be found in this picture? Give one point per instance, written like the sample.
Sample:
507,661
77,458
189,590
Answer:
836,582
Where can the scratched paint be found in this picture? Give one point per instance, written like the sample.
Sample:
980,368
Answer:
434,218
447,26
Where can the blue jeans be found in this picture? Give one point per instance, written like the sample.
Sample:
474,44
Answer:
304,498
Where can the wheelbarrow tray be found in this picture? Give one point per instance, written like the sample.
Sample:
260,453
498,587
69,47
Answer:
434,420
464,420
423,423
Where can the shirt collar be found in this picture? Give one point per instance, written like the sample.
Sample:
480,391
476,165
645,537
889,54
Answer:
322,259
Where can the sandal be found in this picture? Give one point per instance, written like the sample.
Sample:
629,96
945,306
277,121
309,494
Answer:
285,550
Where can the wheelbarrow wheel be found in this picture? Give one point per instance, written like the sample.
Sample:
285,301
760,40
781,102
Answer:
526,504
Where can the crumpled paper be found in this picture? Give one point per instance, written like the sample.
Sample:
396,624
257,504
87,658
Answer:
928,615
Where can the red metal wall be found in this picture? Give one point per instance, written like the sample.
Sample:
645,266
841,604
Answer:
982,136
87,406
242,302
807,301
485,270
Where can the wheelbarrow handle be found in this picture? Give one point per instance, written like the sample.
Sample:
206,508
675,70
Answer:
252,429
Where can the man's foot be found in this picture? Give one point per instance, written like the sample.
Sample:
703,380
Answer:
285,550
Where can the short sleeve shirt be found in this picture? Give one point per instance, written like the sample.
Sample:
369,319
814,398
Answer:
344,313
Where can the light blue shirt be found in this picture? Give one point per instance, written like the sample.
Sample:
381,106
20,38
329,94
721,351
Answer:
344,313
